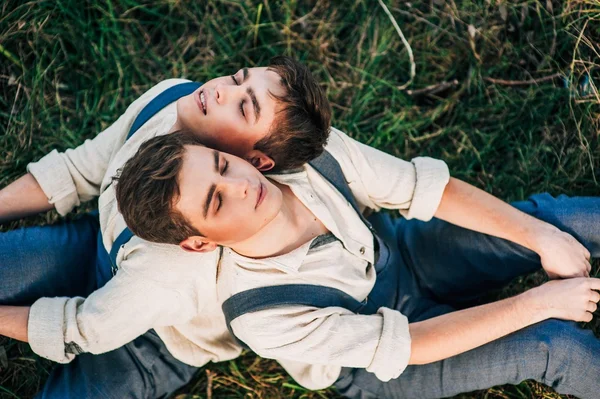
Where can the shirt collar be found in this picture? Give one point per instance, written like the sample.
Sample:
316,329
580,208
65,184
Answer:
288,263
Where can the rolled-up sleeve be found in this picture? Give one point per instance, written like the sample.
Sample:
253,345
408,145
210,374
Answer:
45,329
431,178
331,336
74,176
56,182
393,352
380,180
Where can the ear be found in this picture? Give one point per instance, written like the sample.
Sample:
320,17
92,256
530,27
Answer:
197,244
260,160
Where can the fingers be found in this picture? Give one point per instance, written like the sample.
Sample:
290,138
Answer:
586,254
591,307
586,317
594,283
588,266
594,296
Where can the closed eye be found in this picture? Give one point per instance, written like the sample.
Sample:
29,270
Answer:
219,197
242,108
220,202
225,167
234,80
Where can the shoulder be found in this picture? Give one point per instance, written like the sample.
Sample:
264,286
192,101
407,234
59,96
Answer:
340,145
167,263
152,93
162,86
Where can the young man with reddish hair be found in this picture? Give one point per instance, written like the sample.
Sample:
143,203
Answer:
79,294
380,308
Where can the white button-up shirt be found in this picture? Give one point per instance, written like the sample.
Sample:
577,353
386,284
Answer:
314,343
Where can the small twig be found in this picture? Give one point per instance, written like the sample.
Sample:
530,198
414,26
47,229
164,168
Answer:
432,89
413,66
523,82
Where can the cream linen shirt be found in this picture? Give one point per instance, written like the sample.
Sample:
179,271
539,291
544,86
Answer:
157,286
312,343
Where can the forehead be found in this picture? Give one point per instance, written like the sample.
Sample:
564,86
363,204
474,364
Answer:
197,156
195,176
266,78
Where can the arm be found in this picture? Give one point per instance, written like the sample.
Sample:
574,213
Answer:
385,343
13,322
23,197
76,175
142,295
451,334
467,206
423,189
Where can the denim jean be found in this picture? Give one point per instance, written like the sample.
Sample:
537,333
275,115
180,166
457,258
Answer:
445,268
60,260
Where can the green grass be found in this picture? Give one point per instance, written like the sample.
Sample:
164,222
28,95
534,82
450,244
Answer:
69,68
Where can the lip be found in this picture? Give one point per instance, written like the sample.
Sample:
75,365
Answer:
262,193
199,103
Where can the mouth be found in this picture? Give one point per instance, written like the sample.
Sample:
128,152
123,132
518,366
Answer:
201,101
262,193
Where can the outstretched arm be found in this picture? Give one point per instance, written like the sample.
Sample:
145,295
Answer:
23,197
423,188
444,336
385,343
467,206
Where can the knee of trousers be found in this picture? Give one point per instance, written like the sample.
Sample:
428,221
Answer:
558,211
559,352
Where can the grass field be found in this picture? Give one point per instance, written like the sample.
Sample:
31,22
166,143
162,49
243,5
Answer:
499,93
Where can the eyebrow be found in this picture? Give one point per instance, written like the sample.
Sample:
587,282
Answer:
246,73
213,187
254,103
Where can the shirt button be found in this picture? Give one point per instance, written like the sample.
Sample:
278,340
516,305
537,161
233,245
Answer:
362,250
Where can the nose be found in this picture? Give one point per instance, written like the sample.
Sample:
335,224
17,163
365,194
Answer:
238,186
225,92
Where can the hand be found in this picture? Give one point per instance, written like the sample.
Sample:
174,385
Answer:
573,299
562,256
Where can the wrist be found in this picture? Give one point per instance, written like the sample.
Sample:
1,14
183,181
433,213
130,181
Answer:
535,231
531,308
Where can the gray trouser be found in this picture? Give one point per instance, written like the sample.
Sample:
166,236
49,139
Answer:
445,267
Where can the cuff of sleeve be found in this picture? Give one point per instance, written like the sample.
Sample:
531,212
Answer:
45,329
432,178
311,376
393,352
54,178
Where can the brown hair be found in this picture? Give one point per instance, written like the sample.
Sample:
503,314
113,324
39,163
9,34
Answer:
147,189
301,126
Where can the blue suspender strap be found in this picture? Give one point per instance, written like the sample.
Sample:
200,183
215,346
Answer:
330,169
106,263
159,102
263,298
121,240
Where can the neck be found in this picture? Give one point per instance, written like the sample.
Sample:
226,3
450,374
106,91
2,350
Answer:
287,227
176,126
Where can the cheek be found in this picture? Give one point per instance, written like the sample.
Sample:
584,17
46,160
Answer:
238,225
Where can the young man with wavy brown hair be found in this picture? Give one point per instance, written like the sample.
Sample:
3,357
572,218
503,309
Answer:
312,275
